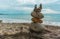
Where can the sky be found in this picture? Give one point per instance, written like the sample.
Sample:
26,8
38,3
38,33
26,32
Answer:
26,6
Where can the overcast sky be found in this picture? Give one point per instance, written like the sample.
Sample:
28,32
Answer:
26,6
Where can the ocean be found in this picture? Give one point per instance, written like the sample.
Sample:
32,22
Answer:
51,19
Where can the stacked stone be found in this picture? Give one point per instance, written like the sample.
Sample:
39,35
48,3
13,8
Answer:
37,19
37,15
36,26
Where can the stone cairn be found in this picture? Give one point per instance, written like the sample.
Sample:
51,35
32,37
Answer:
36,26
37,15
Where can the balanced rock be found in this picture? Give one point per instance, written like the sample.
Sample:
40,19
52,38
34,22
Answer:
37,27
37,12
37,15
37,20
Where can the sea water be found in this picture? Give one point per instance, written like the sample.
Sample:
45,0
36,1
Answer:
51,19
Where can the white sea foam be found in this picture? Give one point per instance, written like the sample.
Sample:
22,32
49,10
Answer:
51,23
15,21
27,21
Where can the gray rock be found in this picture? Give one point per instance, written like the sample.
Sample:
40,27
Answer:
37,26
37,15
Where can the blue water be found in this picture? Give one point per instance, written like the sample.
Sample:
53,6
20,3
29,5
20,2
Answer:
48,18
52,17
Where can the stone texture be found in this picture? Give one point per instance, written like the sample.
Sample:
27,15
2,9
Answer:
37,15
37,26
24,33
6,28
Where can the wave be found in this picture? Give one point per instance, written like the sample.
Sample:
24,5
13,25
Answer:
29,21
15,21
51,23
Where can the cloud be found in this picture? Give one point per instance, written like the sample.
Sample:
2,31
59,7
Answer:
28,10
26,1
36,1
4,7
17,5
48,1
58,2
23,8
44,11
50,11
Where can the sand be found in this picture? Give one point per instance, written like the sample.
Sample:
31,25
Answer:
15,31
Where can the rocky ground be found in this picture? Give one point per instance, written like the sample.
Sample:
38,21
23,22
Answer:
21,31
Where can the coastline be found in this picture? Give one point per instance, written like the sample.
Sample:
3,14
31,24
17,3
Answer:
29,21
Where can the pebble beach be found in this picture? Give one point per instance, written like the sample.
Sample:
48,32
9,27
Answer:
21,31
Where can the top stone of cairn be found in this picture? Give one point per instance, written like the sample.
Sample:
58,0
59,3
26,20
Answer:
37,12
